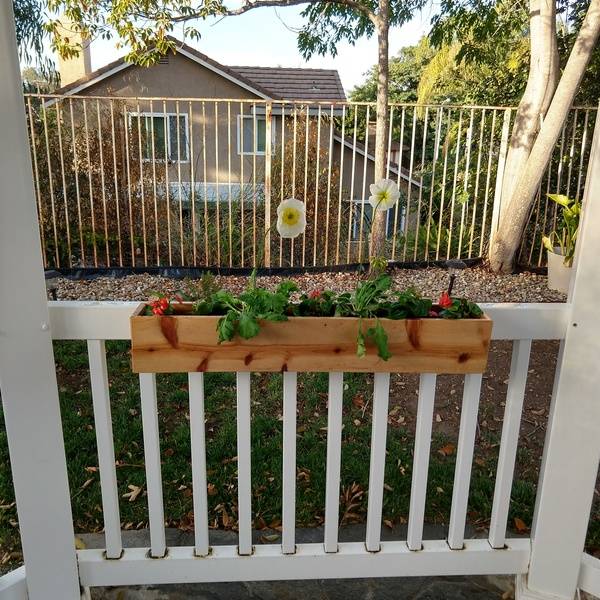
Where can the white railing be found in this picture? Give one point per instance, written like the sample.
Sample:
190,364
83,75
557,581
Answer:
146,182
115,565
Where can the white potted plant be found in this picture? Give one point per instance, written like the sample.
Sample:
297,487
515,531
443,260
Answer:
560,244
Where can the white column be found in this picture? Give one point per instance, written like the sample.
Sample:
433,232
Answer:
27,375
570,463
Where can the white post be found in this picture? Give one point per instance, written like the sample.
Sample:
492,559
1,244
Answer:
27,373
570,464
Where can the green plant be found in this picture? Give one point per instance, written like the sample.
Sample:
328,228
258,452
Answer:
372,299
565,235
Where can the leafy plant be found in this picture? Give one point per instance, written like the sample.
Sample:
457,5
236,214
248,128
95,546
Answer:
372,299
565,236
253,305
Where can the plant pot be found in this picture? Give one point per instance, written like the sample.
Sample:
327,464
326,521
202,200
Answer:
559,275
183,343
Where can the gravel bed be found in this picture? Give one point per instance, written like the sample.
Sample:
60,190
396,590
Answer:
477,284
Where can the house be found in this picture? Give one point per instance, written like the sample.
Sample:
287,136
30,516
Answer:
212,122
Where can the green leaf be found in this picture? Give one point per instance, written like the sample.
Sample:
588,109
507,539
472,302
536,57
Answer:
226,327
248,326
361,349
380,338
560,199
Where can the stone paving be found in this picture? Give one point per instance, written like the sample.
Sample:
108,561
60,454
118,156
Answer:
396,588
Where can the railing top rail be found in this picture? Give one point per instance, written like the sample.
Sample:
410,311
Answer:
299,102
79,320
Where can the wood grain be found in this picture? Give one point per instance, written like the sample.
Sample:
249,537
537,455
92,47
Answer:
185,343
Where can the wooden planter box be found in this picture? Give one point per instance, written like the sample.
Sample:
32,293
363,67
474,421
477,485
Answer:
183,343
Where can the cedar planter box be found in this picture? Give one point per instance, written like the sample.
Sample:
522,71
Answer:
183,343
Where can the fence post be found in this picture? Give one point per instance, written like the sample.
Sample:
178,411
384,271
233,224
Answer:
570,463
496,206
268,157
27,373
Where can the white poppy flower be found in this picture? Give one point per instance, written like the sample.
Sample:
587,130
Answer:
291,218
384,194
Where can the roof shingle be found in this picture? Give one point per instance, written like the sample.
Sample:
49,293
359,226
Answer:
296,84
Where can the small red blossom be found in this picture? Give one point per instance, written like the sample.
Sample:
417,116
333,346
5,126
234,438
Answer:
159,306
315,294
445,301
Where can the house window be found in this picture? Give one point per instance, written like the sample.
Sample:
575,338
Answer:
251,134
168,133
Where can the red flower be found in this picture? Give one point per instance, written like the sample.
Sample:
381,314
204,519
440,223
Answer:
445,301
159,306
315,294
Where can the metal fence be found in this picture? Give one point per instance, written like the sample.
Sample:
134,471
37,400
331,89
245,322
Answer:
144,182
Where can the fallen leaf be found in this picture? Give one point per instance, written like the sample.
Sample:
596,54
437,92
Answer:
86,483
520,525
438,419
447,450
358,401
388,523
211,489
79,544
134,493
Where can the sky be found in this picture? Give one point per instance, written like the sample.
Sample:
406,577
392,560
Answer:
262,37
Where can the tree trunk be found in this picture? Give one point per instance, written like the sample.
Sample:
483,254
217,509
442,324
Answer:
541,83
508,237
378,229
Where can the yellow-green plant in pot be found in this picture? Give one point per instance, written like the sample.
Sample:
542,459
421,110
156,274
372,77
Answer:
560,244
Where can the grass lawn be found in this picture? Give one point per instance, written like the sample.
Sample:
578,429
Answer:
78,423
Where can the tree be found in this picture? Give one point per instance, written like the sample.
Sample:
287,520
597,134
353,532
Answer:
473,21
514,217
405,70
31,33
145,27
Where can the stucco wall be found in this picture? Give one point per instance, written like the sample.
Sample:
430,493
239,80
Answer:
212,127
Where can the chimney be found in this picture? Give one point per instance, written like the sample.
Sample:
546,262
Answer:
71,69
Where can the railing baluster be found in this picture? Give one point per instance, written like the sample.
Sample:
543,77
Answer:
341,188
381,395
363,198
334,460
288,538
353,211
156,515
510,439
243,461
317,180
141,181
398,209
198,449
36,179
106,452
59,121
464,460
418,490
421,182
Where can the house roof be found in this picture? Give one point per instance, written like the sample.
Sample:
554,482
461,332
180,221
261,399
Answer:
265,82
296,84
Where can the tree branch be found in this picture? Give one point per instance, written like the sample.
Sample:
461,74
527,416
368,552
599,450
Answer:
250,5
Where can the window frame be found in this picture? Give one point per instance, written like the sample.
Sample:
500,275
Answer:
184,148
254,152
